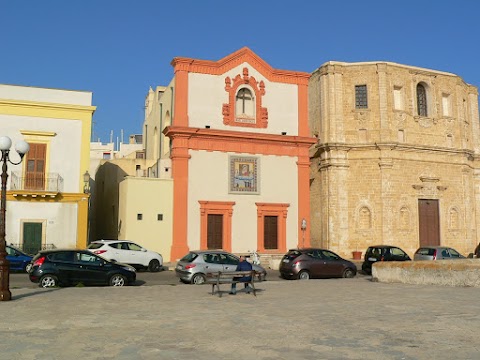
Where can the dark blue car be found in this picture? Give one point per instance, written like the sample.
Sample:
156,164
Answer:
18,259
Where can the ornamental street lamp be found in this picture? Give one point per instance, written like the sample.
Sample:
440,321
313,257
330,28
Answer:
22,148
86,182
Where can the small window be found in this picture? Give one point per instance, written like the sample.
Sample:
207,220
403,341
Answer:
107,156
140,155
139,216
397,98
245,103
446,106
361,97
160,217
421,100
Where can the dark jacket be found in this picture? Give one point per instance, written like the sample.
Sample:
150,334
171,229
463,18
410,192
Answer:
244,266
477,251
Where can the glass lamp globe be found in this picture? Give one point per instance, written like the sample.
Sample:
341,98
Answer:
22,147
5,143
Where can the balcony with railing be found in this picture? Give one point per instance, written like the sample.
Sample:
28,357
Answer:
44,184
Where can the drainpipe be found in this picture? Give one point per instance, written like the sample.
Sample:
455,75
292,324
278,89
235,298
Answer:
171,105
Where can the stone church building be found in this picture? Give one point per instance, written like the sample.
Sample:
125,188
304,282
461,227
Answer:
397,158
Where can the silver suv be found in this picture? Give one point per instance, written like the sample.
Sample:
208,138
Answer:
437,253
193,266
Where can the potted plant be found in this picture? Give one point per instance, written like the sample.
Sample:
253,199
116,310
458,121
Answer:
357,255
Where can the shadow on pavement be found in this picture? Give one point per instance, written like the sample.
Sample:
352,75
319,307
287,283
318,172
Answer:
34,292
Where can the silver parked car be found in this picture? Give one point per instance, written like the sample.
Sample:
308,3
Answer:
437,253
193,266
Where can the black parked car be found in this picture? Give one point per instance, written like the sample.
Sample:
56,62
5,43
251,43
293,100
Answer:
382,253
52,268
304,264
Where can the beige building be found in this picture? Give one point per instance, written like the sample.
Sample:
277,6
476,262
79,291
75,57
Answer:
397,158
132,195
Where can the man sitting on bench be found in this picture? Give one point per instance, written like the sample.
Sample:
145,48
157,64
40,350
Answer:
243,265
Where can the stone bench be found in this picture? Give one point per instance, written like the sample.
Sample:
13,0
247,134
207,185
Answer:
464,272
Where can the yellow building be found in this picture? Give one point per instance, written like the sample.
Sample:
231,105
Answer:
397,158
46,203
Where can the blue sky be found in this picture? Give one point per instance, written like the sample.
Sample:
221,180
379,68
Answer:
118,49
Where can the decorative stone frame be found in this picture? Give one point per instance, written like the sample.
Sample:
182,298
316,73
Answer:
271,209
224,208
253,163
232,88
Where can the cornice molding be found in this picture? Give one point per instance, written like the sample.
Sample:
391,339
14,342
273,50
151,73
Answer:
235,59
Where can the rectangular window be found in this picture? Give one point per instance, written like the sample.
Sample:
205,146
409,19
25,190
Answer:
361,97
107,156
159,217
446,105
397,98
139,216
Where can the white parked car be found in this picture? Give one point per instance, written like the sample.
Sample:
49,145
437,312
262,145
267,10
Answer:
127,252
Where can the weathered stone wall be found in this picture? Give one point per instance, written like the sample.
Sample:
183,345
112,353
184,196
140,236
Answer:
371,166
445,272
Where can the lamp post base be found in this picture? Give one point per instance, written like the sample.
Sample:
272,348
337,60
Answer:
5,293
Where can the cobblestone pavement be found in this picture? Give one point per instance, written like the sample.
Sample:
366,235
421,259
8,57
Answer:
315,319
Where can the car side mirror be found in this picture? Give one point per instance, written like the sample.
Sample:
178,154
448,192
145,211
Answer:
113,261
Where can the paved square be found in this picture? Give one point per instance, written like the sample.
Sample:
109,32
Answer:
315,319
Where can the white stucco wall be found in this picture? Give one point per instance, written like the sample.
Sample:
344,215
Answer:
68,137
206,96
209,180
60,221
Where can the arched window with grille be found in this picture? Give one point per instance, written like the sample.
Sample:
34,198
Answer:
245,104
422,100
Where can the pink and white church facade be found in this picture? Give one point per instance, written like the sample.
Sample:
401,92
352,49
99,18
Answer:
240,144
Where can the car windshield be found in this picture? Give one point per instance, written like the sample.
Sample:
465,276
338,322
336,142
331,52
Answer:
454,253
426,251
95,246
374,251
189,257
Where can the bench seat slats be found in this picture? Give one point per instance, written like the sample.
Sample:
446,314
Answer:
218,278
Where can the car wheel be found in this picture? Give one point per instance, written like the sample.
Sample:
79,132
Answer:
303,275
154,266
118,280
47,281
198,279
348,273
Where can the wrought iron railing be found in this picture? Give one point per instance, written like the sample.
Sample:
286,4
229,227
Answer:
48,182
32,250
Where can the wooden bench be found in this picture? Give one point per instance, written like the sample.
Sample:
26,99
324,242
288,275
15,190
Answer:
232,277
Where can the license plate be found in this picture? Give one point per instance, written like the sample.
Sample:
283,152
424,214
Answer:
286,260
372,259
